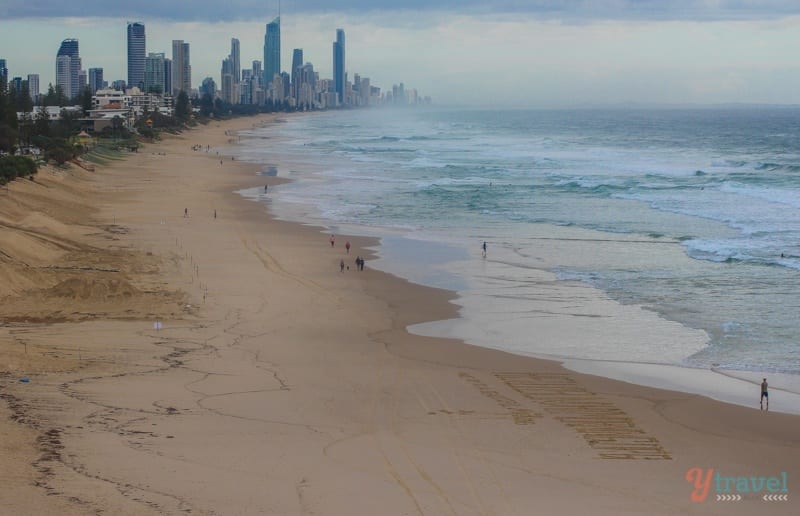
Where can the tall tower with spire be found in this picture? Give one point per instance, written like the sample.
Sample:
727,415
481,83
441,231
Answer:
272,49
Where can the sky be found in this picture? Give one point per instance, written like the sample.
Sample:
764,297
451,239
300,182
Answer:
511,53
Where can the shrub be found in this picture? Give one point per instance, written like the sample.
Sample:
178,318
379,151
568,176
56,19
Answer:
12,167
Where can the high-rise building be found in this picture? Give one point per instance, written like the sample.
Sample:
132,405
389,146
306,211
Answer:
226,83
16,84
63,78
33,86
3,71
306,85
83,81
154,73
258,73
167,76
136,55
248,85
95,79
286,83
208,87
236,61
338,65
181,68
272,51
68,68
232,67
297,62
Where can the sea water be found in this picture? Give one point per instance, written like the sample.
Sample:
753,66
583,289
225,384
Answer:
690,215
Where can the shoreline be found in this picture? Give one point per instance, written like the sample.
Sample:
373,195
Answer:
280,385
727,385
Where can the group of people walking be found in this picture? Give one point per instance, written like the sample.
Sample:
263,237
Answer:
359,260
359,264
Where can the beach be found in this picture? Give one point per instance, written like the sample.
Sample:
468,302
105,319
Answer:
186,352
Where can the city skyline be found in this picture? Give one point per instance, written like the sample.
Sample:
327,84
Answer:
507,53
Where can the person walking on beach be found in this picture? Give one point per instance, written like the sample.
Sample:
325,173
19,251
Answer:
341,265
215,214
186,212
332,240
347,246
764,394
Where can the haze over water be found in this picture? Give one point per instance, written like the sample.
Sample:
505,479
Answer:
692,214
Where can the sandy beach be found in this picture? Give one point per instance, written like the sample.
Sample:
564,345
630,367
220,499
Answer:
184,352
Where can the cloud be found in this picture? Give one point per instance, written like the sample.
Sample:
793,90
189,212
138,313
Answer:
571,11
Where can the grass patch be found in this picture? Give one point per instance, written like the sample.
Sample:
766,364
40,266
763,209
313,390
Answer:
103,153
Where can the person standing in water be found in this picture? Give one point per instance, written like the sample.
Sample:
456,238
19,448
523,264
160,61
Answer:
484,248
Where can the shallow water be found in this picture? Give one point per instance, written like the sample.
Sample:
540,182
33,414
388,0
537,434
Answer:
682,216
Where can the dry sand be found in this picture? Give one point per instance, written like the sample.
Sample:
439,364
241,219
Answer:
278,385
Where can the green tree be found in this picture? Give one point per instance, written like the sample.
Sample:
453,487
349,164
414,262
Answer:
182,107
21,100
68,124
86,101
54,96
12,167
60,151
220,108
206,105
51,98
8,120
25,129
116,126
41,123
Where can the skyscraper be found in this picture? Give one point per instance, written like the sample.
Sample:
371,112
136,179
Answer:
95,79
232,67
181,69
272,51
83,81
167,76
154,73
68,68
236,61
226,83
297,62
258,72
33,86
3,71
338,65
306,85
136,55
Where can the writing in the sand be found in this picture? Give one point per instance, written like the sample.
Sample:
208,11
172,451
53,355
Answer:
604,426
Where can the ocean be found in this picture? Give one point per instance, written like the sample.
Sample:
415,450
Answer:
686,220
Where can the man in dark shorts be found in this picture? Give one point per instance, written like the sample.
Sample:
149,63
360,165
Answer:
764,394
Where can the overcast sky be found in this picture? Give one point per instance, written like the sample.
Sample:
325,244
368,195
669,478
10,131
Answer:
536,53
